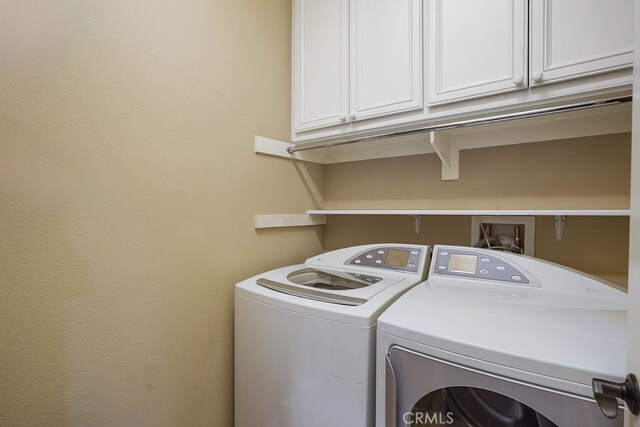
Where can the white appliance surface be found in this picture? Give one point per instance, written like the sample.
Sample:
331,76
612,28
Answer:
305,339
559,329
361,315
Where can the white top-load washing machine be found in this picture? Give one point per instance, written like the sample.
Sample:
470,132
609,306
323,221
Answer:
497,339
305,336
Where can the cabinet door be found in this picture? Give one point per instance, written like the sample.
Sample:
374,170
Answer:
386,57
575,38
475,48
321,63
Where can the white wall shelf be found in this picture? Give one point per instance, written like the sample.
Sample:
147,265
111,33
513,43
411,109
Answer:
319,217
290,220
512,212
559,214
448,144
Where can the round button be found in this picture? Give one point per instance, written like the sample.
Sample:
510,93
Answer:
441,267
380,252
483,271
516,277
411,265
501,267
444,253
357,261
485,260
378,261
369,256
414,252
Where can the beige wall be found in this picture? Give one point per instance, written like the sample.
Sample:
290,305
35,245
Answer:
128,186
581,173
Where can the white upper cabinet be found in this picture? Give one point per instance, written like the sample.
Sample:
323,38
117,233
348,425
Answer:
365,67
321,63
576,38
386,57
475,48
355,59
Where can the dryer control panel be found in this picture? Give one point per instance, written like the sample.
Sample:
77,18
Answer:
479,264
395,258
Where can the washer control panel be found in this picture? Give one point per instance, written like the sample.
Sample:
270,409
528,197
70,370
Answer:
395,258
476,265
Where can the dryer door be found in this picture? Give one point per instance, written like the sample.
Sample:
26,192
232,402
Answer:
422,390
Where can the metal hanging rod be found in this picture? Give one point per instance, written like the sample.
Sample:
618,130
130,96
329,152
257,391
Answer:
465,123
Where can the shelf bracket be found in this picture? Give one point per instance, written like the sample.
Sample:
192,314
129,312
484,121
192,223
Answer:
448,153
559,222
417,221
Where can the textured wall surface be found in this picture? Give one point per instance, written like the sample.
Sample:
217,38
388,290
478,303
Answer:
128,186
580,173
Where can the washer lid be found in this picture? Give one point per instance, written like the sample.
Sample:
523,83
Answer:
330,285
326,285
561,335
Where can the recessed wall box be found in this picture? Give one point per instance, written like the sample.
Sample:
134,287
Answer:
506,225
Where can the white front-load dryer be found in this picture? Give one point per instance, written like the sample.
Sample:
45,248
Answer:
305,336
495,339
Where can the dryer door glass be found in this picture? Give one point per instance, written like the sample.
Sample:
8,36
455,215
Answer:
324,280
469,406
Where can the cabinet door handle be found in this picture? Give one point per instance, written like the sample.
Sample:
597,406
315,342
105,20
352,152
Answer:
518,79
537,76
352,116
343,118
